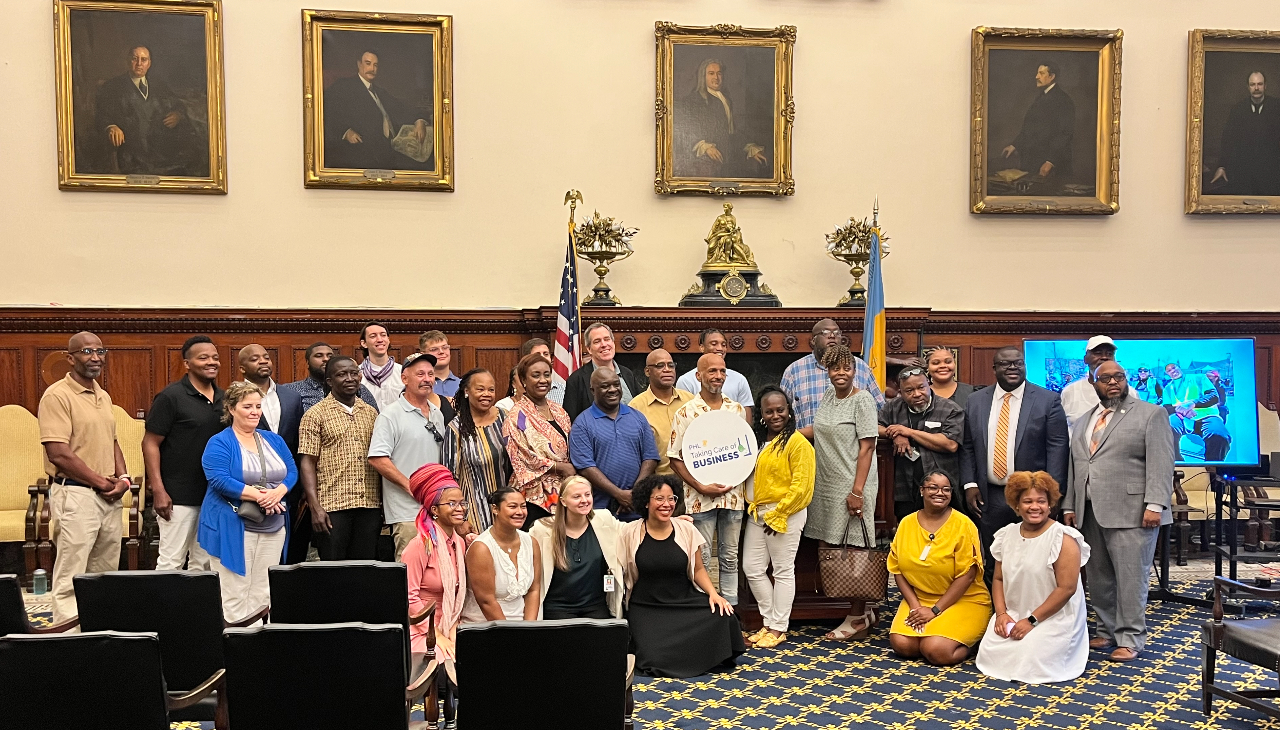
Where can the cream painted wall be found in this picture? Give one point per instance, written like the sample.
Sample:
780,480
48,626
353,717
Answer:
552,95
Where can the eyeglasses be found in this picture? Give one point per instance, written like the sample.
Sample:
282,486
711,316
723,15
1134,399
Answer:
1008,363
911,372
452,505
435,434
91,351
935,489
1105,379
829,333
664,500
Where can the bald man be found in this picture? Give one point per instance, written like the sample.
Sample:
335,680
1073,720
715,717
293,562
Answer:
660,401
612,446
87,474
716,508
281,407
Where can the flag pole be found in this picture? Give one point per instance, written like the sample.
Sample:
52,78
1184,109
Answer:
572,198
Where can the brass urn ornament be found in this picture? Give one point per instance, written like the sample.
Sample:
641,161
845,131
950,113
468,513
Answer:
850,244
729,273
602,241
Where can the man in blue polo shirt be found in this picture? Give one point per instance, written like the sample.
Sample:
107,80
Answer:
612,446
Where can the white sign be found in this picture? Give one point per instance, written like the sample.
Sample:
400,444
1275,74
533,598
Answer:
720,448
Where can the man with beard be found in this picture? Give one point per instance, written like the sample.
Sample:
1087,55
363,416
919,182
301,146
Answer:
314,387
147,125
612,445
926,433
366,127
1079,396
1011,426
711,136
1126,444
805,380
1250,154
1044,144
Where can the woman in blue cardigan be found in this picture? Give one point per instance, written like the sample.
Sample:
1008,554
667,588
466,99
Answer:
245,465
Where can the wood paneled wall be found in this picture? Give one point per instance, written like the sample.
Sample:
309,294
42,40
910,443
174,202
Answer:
145,343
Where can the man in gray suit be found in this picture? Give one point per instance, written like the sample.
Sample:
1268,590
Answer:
1013,426
1119,493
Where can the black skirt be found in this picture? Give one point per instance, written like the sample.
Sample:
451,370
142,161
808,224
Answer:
673,630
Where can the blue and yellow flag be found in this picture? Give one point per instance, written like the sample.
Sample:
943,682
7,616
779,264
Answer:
873,337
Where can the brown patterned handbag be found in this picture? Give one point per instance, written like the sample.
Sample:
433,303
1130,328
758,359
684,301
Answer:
856,573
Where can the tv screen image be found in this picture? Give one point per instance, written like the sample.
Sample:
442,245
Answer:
1207,386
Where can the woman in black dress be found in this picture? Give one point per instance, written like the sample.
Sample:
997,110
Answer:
680,626
942,377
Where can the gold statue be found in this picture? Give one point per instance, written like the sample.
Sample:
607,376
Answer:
724,244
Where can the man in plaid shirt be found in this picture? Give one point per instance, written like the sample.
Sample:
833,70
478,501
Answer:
805,380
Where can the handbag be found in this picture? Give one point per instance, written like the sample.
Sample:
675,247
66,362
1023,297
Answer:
249,509
856,573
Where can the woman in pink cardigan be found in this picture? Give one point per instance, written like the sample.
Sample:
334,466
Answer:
435,561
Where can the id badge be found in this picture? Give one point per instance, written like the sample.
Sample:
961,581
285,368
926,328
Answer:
610,585
925,553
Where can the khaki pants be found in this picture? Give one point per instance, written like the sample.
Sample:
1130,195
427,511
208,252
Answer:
244,594
178,539
403,533
86,530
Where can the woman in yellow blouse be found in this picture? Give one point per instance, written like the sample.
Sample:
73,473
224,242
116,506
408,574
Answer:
936,560
777,503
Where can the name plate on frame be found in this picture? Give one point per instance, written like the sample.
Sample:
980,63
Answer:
142,179
380,174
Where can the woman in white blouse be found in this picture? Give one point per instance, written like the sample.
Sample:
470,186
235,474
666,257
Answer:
1038,633
504,567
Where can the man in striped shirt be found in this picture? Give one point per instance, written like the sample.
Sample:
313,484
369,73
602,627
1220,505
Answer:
805,380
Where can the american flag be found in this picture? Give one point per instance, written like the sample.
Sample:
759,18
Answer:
567,353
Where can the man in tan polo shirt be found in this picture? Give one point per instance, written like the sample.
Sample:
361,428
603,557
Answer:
660,401
86,472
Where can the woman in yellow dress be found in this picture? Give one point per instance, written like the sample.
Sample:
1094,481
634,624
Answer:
936,560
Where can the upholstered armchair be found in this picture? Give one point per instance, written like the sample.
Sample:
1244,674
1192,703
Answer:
21,466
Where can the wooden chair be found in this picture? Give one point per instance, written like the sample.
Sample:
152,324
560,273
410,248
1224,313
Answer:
13,612
183,608
589,655
1254,641
21,466
320,677
129,432
106,680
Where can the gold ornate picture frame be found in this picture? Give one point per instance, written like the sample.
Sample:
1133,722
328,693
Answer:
140,99
724,109
1232,122
1045,117
377,100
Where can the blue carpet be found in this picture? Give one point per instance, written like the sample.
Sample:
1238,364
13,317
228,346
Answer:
811,684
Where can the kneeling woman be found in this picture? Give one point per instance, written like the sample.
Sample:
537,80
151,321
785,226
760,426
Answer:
503,566
680,626
581,575
1039,633
936,561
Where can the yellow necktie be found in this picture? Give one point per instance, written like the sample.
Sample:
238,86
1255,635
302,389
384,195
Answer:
1095,438
1000,465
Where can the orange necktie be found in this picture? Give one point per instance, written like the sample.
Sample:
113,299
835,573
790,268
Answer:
1000,465
1095,438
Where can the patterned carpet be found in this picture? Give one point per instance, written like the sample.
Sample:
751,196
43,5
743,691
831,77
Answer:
811,684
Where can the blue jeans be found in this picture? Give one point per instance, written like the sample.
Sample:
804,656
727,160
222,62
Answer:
726,524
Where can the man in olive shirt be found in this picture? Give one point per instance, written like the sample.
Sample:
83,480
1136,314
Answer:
660,401
86,472
183,417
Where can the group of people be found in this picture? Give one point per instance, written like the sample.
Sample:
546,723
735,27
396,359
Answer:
575,501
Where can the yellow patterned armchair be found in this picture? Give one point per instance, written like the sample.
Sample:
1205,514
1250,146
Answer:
21,467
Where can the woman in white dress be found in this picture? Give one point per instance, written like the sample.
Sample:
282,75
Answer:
1039,633
504,568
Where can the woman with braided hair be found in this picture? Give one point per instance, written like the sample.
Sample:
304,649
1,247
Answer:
475,449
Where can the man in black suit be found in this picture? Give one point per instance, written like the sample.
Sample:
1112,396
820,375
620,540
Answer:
1013,426
577,389
1044,144
147,125
281,413
712,138
362,121
1250,157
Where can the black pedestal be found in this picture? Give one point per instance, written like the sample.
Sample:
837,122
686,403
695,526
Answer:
730,287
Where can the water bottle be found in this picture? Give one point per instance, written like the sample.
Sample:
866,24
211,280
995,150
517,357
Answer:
40,582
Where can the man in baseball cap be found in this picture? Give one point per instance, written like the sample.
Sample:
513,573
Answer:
1079,397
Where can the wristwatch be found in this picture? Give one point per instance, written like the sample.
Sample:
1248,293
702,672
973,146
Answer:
1031,618
935,610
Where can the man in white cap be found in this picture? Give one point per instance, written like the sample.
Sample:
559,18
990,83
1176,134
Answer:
1079,397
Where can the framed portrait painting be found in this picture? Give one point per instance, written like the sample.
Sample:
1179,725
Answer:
724,109
139,96
378,100
1045,121
1233,122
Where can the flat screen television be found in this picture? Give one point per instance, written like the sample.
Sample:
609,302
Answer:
1207,386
